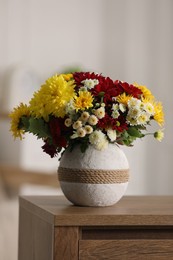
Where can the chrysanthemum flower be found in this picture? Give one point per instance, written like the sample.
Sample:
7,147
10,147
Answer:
16,114
67,77
77,124
52,98
145,91
81,132
159,135
90,83
88,129
130,89
93,120
134,112
123,98
98,140
69,107
115,114
100,112
83,101
143,119
84,116
158,113
134,102
149,108
79,77
68,122
131,120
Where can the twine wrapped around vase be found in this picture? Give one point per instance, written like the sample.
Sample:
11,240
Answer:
93,176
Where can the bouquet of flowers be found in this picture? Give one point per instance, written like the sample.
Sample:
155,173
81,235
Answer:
85,108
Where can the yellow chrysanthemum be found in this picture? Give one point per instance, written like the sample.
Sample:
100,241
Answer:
158,113
16,114
158,110
145,91
67,77
147,100
123,98
52,97
83,101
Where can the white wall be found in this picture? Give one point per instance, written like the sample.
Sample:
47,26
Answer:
127,40
138,47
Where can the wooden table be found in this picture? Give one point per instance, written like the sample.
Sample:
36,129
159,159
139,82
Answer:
50,228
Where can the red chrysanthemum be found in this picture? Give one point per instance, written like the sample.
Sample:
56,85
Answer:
128,89
49,149
118,124
57,129
107,87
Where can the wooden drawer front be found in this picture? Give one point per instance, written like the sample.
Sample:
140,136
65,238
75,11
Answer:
126,249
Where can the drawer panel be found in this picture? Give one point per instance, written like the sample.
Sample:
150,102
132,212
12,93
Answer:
126,249
116,233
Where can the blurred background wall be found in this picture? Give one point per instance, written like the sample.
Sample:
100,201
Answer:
123,39
127,40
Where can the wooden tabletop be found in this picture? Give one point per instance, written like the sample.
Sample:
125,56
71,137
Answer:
130,210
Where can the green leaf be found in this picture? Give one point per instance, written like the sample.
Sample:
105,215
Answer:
39,127
24,123
133,131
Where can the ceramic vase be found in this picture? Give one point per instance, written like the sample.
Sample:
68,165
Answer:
94,178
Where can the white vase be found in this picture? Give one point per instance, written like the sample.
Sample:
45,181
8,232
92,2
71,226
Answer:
94,178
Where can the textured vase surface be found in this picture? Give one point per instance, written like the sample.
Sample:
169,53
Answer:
77,172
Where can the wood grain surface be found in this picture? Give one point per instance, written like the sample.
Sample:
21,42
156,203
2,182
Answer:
66,243
138,228
126,249
35,238
130,210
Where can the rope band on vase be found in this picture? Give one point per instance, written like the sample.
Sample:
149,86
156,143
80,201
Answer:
93,176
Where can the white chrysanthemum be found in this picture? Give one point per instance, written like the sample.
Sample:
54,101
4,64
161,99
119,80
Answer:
130,120
92,120
134,112
136,116
115,107
77,124
115,114
134,102
143,119
88,129
90,83
68,122
96,82
81,132
112,134
149,108
142,106
84,116
70,107
100,112
98,140
159,135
